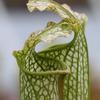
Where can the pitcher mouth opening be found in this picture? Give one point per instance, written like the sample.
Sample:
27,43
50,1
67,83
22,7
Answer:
49,41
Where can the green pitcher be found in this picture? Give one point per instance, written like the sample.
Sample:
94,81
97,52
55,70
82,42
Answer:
60,72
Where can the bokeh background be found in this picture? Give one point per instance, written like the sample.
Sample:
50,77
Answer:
16,24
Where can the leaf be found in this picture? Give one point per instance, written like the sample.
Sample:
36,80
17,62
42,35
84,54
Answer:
60,72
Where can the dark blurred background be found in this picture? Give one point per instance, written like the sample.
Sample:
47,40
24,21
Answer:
22,3
16,24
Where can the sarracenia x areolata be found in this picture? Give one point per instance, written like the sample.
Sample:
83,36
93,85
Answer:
60,72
